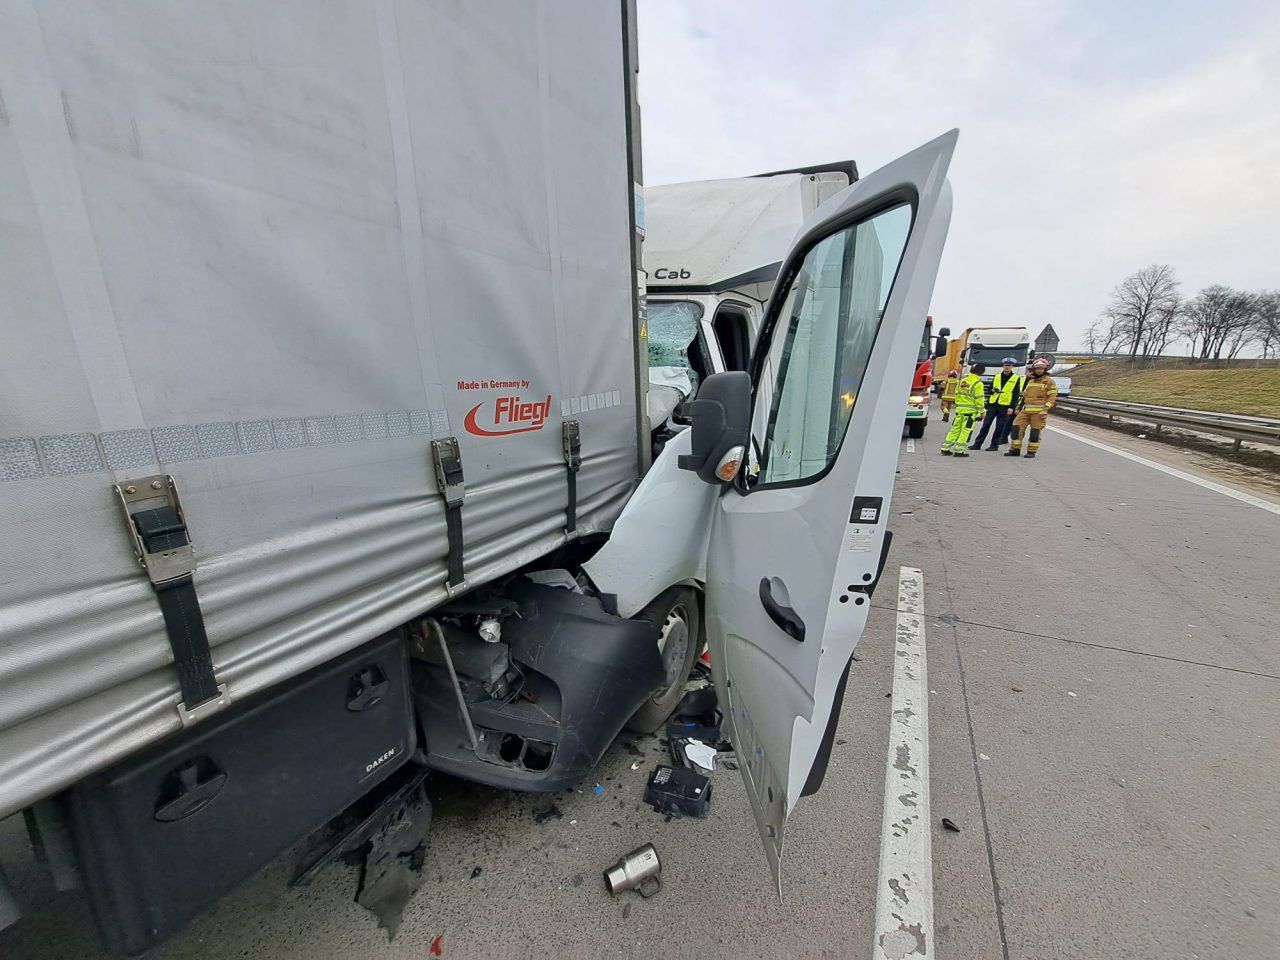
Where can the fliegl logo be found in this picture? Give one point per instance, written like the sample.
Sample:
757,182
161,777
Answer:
507,413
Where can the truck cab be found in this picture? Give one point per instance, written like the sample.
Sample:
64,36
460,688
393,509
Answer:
988,346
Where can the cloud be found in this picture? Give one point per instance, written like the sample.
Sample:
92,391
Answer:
1094,139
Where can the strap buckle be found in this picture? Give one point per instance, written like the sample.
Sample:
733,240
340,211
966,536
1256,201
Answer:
157,527
447,458
571,437
190,715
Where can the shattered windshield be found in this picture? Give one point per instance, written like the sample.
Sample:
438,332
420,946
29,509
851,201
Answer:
673,375
673,324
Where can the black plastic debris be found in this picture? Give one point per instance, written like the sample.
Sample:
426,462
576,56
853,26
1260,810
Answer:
948,825
550,813
678,791
696,717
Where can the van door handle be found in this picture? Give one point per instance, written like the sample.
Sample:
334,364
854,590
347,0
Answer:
784,616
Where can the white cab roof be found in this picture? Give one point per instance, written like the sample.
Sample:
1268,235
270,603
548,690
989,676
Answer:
723,234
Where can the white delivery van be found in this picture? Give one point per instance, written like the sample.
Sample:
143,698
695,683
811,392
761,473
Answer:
324,434
712,249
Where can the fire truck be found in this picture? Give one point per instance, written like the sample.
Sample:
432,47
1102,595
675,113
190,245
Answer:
922,381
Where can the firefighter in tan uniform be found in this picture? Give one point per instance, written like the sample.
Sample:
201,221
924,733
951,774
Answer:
949,388
1038,398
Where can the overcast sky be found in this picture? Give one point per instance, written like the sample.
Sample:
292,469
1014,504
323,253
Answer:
1095,138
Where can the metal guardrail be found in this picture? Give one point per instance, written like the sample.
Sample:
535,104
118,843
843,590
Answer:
1234,426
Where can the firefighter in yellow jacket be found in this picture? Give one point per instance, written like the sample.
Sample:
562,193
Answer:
971,401
1038,398
949,387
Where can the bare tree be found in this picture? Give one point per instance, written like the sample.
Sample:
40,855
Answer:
1140,301
1218,319
1091,337
1160,328
1237,327
1100,336
1266,321
1201,318
1110,336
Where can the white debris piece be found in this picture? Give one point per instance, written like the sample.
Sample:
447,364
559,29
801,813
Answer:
700,754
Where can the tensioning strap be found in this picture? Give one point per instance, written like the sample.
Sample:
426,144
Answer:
453,524
162,542
447,458
571,434
162,529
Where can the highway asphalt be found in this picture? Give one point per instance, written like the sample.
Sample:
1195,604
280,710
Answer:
1103,651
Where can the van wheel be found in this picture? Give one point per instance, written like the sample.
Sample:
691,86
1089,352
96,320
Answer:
679,622
915,429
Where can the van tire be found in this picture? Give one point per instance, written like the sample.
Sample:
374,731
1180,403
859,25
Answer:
915,428
678,620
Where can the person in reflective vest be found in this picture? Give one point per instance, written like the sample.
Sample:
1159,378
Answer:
971,398
949,387
1006,391
1038,397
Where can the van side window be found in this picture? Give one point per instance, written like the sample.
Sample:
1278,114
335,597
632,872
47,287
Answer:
822,343
731,329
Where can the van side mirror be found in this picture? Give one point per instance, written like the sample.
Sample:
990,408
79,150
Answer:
940,346
721,428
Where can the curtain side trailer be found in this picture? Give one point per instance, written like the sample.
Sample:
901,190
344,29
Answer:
318,331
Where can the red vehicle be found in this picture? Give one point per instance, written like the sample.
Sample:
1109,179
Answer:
921,383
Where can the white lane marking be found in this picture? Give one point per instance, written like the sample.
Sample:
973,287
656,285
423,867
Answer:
904,892
911,446
1221,488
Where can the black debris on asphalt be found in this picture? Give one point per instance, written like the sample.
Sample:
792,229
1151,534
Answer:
550,813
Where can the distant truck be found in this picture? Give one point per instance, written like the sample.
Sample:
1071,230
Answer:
922,382
986,345
918,401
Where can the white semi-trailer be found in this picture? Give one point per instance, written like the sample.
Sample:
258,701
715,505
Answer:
323,446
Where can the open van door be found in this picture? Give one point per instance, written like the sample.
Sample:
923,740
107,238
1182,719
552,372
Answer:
796,542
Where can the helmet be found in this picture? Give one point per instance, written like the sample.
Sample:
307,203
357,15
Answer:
1040,364
1009,360
953,373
